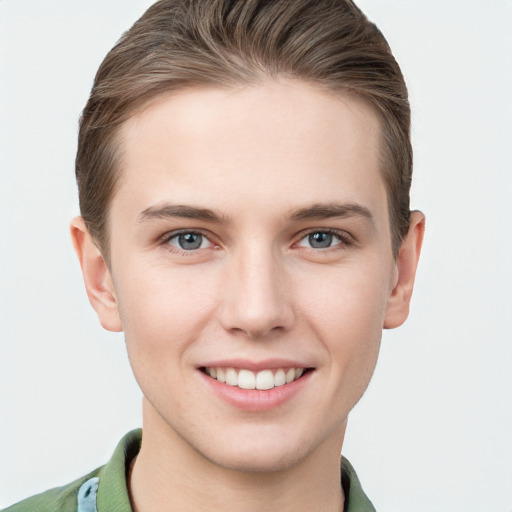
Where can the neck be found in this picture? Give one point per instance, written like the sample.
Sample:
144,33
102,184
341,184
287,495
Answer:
169,474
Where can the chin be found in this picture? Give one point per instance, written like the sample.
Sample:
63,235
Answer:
259,459
262,450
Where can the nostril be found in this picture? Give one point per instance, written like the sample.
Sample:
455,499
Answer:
261,333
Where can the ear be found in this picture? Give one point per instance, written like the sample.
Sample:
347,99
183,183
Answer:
97,278
406,264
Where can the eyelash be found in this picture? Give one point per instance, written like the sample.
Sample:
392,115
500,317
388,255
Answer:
168,237
345,240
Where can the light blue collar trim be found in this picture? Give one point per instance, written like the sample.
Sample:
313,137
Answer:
87,496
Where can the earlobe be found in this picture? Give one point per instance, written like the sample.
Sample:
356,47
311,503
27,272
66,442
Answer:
97,277
406,264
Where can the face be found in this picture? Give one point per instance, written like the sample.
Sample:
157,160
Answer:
251,267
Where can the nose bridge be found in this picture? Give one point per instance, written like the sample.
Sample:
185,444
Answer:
256,301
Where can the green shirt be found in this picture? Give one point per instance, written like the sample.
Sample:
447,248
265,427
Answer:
105,489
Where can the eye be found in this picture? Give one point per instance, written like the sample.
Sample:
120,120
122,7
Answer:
189,241
322,240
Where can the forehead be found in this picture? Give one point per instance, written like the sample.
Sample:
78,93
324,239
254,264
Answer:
280,143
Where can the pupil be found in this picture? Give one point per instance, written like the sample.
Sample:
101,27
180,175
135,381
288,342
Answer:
320,240
190,241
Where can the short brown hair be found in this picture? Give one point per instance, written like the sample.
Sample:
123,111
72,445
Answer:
183,43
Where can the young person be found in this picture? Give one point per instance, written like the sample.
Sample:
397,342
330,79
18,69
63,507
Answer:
244,171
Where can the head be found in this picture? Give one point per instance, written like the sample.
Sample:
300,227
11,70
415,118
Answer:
179,44
244,172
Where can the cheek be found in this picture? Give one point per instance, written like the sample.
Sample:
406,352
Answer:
163,311
163,314
348,313
352,295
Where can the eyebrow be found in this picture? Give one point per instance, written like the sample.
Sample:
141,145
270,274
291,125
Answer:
318,211
322,211
181,211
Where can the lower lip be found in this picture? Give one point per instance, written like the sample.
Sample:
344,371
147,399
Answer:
255,400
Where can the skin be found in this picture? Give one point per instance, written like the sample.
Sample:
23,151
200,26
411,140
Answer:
260,158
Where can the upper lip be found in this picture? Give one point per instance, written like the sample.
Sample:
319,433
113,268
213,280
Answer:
255,366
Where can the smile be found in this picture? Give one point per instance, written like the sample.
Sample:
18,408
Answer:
247,379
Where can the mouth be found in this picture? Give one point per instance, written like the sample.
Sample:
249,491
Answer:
262,380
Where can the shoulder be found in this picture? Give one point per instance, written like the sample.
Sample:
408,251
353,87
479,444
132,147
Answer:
103,489
60,499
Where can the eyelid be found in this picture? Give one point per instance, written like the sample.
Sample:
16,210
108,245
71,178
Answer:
344,237
183,231
165,239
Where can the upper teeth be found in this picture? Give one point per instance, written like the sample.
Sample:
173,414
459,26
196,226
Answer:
247,379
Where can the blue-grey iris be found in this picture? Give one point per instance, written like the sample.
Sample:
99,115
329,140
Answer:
320,240
190,241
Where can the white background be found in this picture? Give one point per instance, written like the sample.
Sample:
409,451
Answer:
434,431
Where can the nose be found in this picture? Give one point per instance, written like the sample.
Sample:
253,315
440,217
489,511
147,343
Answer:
257,299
